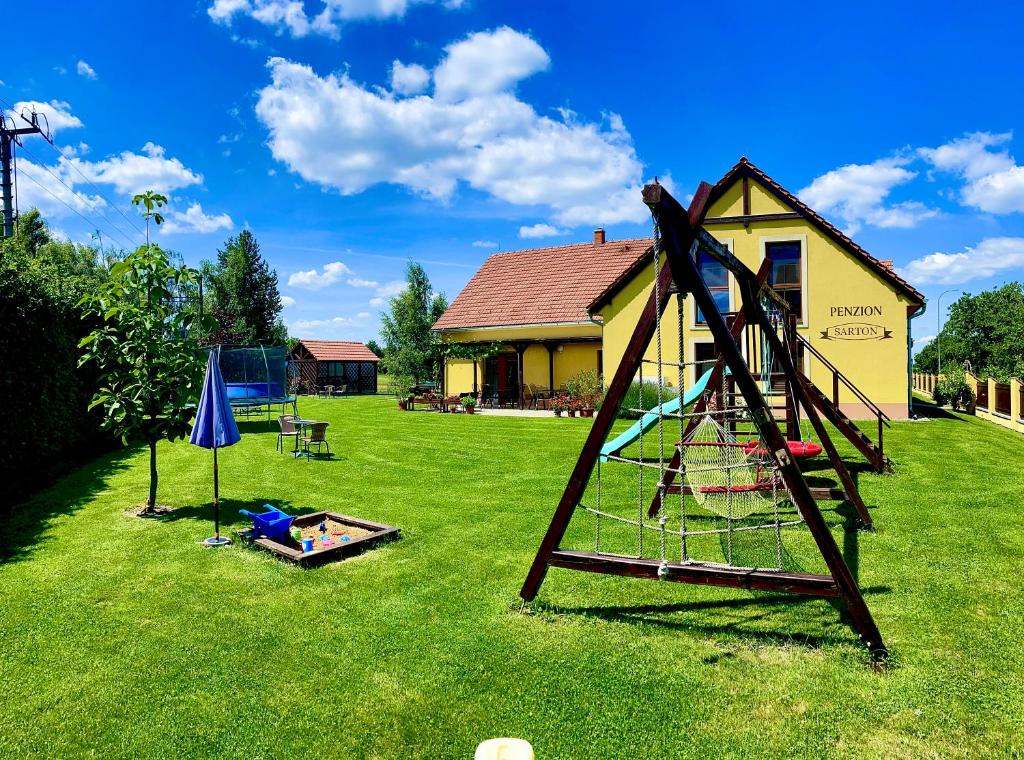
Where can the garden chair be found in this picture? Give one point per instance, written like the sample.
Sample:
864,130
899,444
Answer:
317,435
343,390
287,430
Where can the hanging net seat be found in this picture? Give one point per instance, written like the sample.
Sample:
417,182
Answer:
723,477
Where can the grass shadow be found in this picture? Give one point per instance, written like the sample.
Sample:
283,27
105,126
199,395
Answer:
22,527
737,617
229,515
932,410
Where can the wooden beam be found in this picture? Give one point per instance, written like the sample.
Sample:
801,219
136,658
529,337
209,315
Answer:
679,240
606,415
820,494
698,572
746,219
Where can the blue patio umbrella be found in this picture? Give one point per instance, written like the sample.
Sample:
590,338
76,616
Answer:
214,428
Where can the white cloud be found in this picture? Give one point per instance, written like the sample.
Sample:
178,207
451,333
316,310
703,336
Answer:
57,114
376,301
923,340
290,15
487,62
193,219
314,280
327,328
988,258
359,282
856,194
484,244
993,182
392,288
287,302
85,70
347,136
408,79
538,231
131,172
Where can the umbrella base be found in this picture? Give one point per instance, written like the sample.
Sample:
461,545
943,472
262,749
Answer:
214,542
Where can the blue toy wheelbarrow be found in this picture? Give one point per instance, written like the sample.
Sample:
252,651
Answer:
272,523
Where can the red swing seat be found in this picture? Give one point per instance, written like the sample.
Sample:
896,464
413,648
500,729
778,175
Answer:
797,449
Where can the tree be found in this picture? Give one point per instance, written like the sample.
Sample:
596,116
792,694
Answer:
149,365
410,346
375,347
986,330
244,295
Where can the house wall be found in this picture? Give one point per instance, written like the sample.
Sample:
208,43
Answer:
836,284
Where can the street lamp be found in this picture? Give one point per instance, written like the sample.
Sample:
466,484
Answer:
938,326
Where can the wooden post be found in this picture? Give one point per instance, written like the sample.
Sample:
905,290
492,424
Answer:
679,239
620,383
551,367
520,368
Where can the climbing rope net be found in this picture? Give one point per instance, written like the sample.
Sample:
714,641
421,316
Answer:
716,485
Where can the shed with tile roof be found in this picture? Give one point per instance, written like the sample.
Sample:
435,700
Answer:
346,364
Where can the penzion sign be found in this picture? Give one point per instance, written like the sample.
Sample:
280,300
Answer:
856,330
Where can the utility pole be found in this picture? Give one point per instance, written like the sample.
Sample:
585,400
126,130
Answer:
10,135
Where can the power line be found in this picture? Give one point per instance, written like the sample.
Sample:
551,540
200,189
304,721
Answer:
35,127
98,191
90,222
96,206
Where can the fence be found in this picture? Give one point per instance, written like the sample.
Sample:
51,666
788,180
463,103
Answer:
1001,403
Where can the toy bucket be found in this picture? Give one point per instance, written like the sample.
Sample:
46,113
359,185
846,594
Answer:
307,544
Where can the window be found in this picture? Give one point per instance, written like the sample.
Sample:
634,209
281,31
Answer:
716,277
705,356
786,274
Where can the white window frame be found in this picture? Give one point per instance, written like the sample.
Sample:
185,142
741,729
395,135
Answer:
800,238
692,322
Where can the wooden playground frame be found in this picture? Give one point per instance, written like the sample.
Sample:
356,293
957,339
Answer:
682,235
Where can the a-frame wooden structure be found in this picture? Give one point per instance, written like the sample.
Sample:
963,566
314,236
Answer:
682,235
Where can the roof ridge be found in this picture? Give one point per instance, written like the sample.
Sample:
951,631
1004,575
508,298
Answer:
584,244
830,228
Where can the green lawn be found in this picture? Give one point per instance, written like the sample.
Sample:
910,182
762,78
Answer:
121,637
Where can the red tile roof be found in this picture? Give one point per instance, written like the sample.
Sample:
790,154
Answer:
883,268
541,285
339,351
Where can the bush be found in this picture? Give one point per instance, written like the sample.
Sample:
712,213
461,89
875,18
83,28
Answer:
954,390
42,383
649,400
585,387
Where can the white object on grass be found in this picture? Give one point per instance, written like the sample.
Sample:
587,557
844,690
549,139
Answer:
504,749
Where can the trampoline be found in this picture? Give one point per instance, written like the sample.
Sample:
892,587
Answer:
257,380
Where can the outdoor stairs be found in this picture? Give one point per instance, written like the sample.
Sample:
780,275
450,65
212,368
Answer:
871,450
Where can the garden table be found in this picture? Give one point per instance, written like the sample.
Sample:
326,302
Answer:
300,424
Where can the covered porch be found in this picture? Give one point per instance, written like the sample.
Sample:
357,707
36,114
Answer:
525,373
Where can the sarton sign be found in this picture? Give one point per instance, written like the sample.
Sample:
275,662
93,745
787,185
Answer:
856,331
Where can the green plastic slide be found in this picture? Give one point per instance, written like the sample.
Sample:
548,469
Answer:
644,424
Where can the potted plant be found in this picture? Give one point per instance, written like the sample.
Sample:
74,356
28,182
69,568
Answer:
468,403
585,388
558,404
401,387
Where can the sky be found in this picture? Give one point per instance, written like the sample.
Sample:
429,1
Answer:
351,136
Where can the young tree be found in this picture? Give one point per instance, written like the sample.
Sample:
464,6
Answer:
410,347
149,366
244,294
375,347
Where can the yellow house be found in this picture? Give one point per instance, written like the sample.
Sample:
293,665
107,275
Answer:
854,311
